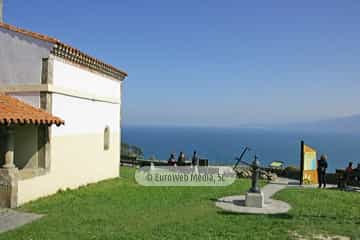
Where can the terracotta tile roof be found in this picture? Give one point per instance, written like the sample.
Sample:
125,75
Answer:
14,111
66,51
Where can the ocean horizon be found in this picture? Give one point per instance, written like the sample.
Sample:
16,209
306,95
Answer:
222,145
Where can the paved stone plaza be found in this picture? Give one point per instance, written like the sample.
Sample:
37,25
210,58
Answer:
236,204
10,219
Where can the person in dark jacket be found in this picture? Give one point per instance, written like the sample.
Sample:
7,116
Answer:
348,174
172,159
181,159
195,159
322,166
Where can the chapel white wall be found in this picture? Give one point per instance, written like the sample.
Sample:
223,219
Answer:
77,160
77,148
84,116
81,79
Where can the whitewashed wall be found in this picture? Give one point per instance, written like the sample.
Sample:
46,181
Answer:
76,160
72,77
77,148
84,116
21,58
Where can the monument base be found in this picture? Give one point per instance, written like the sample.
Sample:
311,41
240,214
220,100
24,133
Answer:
254,200
236,204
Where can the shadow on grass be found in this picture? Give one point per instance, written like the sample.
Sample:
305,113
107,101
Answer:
235,202
278,216
331,218
216,200
286,216
292,183
348,189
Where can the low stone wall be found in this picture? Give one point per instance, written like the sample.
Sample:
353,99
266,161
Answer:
271,174
245,172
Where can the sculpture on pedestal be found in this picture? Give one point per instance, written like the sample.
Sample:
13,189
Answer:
254,197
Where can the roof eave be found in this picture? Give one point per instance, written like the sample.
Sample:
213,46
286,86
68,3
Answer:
71,53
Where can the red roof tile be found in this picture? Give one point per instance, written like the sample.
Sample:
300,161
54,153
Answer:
68,49
14,111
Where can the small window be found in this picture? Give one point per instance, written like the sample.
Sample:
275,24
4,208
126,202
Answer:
107,138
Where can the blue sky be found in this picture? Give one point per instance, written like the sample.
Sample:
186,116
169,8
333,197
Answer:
215,63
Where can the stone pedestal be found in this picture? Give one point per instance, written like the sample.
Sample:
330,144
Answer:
9,178
254,200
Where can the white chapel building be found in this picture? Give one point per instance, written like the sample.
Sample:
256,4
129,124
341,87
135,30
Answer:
59,116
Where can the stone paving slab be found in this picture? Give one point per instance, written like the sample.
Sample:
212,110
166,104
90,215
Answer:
11,219
236,204
273,187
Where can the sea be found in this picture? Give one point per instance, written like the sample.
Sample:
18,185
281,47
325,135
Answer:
223,145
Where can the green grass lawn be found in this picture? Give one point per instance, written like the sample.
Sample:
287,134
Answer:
121,209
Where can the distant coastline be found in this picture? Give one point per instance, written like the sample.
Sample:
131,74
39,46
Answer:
222,145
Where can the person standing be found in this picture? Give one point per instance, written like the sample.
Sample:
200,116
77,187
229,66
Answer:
172,160
181,159
349,169
322,166
195,159
348,174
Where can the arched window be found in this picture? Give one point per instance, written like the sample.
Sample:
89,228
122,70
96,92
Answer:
107,138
